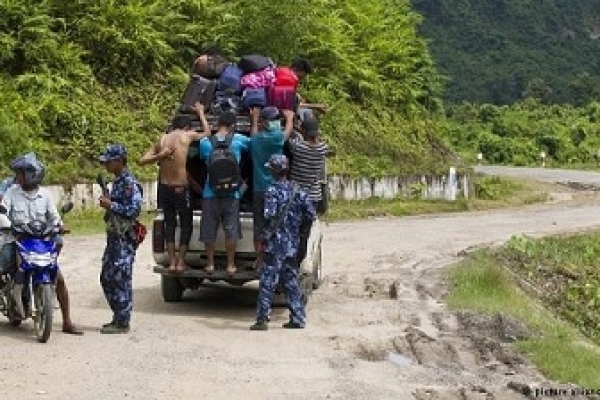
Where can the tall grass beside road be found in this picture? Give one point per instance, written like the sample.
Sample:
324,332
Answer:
550,284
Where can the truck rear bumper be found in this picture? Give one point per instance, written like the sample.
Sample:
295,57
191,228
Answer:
240,275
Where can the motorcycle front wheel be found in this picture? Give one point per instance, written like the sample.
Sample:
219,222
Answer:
44,299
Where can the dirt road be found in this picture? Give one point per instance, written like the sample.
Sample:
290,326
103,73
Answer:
362,342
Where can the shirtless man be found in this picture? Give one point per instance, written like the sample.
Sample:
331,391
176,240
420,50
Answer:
170,151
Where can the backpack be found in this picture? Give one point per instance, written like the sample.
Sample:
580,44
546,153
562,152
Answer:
254,98
284,76
224,175
254,62
231,79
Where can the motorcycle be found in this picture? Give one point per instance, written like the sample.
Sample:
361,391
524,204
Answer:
28,291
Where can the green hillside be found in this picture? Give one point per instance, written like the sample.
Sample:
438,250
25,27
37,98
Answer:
75,75
501,51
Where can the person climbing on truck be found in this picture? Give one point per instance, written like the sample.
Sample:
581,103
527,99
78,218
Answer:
302,68
267,140
221,203
170,151
308,169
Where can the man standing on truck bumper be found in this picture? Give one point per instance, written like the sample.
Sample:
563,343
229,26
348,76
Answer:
225,210
171,152
267,139
123,205
287,209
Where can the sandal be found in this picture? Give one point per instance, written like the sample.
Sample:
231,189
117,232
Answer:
231,271
71,330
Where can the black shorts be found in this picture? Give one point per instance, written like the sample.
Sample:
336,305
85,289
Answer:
258,210
217,210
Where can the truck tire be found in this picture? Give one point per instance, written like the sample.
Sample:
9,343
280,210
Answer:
318,268
171,288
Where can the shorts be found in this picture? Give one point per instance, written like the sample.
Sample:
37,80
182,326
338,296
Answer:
258,210
217,210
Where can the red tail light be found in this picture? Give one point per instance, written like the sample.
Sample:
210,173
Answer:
158,237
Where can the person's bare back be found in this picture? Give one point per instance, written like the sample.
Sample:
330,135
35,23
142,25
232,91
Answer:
171,149
173,169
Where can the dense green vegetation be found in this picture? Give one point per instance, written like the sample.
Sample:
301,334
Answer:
516,134
501,51
76,75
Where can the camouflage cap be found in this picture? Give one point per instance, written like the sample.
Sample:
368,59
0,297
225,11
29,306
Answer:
113,152
278,162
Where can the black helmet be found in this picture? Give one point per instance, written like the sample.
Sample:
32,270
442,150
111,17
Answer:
33,170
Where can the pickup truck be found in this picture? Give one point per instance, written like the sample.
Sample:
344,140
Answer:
173,285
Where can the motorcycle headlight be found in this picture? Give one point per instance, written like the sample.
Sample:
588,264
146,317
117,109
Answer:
41,259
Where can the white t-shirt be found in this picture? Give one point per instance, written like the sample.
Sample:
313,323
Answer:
23,207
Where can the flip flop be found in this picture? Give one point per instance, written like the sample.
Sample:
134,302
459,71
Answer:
72,331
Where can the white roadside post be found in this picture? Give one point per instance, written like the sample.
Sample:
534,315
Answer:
543,158
452,184
479,158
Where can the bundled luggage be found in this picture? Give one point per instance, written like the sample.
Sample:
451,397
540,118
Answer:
254,81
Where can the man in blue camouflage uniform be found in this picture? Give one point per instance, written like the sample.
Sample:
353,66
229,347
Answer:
123,206
287,208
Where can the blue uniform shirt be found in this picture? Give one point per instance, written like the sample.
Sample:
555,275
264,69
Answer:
126,196
286,238
238,144
264,145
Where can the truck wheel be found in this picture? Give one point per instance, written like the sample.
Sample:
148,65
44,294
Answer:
172,290
318,268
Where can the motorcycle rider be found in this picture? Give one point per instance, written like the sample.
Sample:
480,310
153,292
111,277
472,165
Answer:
26,201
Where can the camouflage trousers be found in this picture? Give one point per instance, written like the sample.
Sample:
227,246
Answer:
116,277
273,269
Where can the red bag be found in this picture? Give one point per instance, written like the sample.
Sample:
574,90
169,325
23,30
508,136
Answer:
284,76
283,97
139,232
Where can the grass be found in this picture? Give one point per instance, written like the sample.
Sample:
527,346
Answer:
90,221
561,352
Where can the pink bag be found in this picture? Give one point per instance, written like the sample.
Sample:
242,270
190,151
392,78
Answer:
259,79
